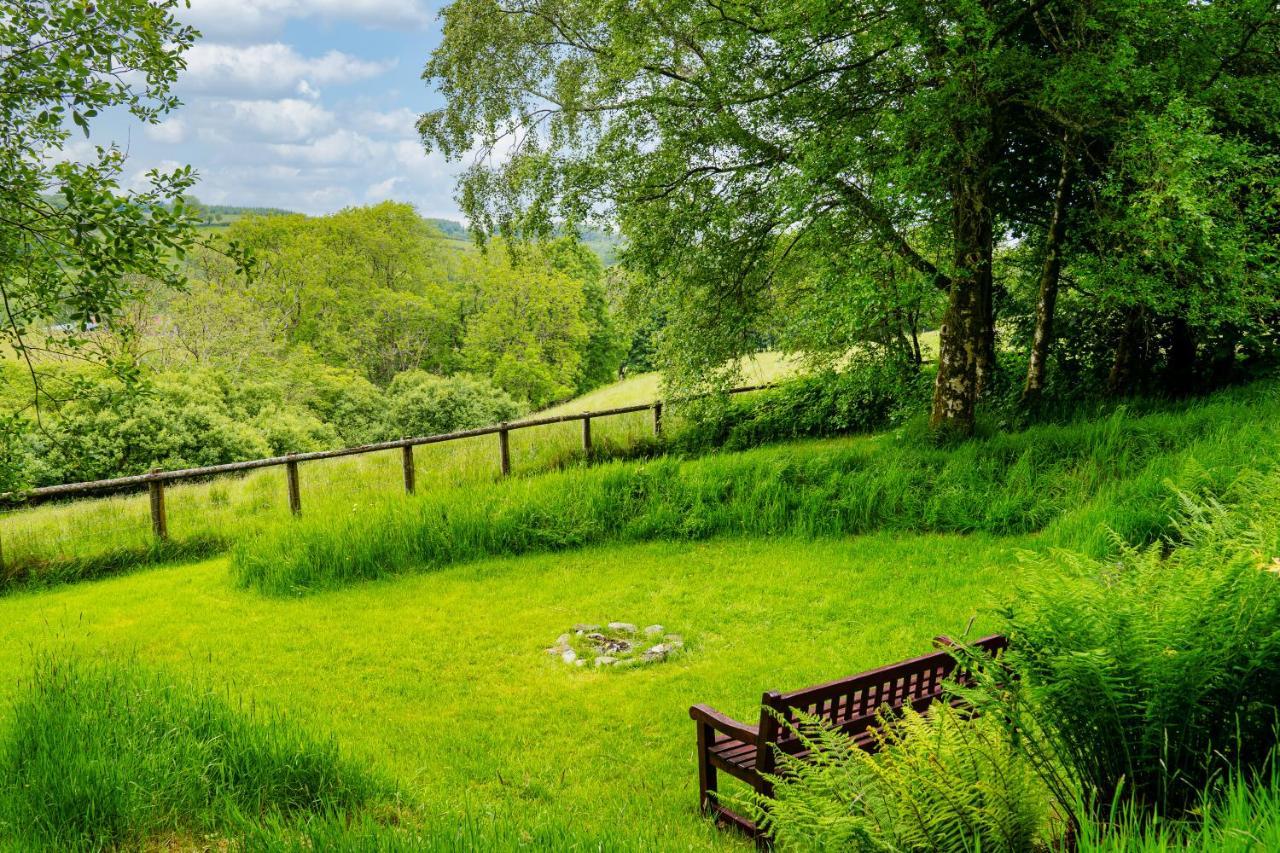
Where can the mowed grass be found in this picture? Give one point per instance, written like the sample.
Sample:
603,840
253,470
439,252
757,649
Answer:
52,543
441,682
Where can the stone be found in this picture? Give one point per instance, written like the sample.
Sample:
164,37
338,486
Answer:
623,627
605,660
584,629
569,656
653,630
563,640
596,637
658,652
579,662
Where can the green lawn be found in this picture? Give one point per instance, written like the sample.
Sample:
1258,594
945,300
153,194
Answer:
441,679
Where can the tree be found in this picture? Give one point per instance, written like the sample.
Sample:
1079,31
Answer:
725,137
76,246
528,333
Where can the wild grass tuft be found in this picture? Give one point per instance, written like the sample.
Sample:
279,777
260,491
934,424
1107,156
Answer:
104,755
1083,484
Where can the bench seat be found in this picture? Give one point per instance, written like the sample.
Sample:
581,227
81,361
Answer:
856,705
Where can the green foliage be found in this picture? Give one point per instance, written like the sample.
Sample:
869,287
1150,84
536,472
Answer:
1154,672
105,755
942,782
852,174
1070,481
865,397
1244,818
529,332
180,422
76,247
422,404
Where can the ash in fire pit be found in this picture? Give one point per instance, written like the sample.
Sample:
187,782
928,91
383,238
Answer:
616,644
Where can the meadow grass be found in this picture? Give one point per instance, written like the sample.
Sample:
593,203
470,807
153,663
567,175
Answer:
1083,484
55,543
441,681
101,753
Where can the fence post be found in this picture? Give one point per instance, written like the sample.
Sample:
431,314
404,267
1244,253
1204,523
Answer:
657,419
504,449
159,521
586,436
410,476
295,493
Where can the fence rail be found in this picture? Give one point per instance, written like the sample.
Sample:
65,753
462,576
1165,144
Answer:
154,481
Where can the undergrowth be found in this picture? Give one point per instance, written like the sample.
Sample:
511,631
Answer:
106,755
1081,484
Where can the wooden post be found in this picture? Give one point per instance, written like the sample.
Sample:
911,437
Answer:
410,476
657,419
586,436
159,521
504,450
295,494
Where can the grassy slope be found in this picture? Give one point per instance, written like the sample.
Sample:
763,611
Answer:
441,679
109,534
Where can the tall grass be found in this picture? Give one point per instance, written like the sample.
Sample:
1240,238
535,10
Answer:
56,543
103,755
1243,818
1082,484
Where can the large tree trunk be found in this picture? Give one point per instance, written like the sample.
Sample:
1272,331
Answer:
1050,271
1127,363
1180,378
967,339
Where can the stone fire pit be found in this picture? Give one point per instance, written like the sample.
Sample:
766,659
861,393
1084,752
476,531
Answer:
618,644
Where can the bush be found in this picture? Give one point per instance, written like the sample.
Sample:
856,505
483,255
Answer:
1152,674
175,424
939,782
865,397
105,755
423,404
292,431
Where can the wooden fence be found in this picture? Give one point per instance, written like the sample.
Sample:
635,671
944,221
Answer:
155,480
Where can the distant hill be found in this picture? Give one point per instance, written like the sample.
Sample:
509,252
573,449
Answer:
222,215
604,245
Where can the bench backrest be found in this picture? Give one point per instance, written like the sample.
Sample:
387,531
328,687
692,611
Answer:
853,704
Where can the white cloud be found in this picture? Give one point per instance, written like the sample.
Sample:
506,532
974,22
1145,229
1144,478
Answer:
170,132
240,20
383,190
270,69
342,147
284,120
395,122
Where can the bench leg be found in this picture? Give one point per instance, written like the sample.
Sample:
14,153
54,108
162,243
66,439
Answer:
706,772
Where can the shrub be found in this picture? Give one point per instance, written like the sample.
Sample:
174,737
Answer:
939,782
865,397
423,404
1156,672
106,755
175,424
292,431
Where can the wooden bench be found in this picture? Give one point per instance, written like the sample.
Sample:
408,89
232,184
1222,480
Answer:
850,704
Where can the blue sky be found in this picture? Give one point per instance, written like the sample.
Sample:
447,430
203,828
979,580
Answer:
307,105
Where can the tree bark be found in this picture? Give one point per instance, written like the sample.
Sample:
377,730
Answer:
1127,362
1180,368
1050,273
967,339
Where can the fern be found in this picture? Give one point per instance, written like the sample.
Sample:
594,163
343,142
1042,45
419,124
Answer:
938,782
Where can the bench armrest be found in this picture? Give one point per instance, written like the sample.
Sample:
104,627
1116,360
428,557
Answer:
725,725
